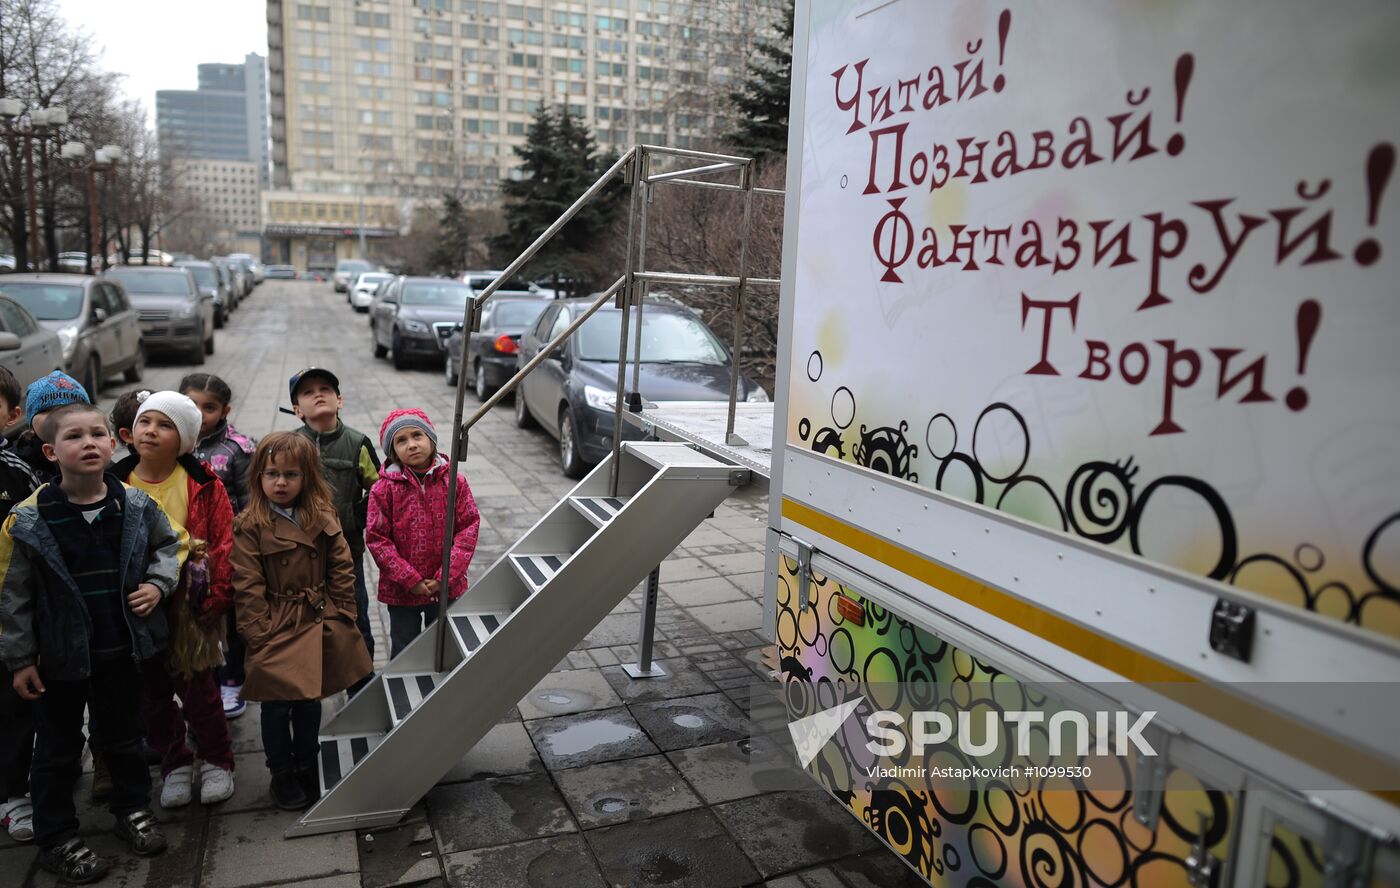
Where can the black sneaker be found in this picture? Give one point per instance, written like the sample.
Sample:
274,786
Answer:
141,833
310,783
74,862
287,791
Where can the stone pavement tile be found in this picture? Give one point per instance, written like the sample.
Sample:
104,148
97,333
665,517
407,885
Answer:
681,680
737,769
250,786
246,730
505,750
691,721
634,789
248,849
564,693
586,738
675,569
877,868
466,816
543,863
603,656
707,536
821,877
16,859
729,617
745,563
706,590
393,857
350,880
785,831
687,850
611,631
176,868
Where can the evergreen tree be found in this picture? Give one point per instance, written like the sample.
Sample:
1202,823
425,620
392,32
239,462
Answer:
560,160
449,253
762,100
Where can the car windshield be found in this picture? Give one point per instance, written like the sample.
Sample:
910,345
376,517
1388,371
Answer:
151,282
352,265
446,293
516,314
373,277
667,338
513,284
47,302
204,275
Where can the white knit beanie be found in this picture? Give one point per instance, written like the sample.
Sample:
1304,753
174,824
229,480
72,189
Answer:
181,410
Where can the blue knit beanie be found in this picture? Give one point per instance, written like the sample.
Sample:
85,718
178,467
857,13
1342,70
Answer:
54,390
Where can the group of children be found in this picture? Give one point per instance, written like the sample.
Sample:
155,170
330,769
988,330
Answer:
161,591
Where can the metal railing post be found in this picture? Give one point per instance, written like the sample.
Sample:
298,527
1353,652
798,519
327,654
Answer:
634,404
625,304
457,453
644,667
729,437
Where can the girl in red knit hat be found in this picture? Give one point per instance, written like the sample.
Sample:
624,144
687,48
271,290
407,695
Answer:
407,515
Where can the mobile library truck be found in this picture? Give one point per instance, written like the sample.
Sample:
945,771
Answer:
1087,407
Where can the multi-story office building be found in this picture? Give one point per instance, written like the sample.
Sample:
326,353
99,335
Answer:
224,119
407,99
227,196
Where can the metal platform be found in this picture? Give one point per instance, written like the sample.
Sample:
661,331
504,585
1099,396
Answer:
702,424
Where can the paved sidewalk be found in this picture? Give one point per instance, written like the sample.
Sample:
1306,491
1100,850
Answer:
593,779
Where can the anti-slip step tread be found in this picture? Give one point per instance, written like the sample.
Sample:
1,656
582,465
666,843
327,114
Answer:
475,629
406,692
599,509
538,569
340,754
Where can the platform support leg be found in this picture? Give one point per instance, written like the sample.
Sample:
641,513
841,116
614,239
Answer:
645,668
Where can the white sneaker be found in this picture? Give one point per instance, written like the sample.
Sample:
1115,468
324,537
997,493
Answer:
17,817
176,792
234,705
215,784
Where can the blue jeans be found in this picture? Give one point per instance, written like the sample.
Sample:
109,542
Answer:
362,619
407,622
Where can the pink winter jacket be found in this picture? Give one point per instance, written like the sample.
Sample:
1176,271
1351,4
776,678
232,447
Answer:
405,529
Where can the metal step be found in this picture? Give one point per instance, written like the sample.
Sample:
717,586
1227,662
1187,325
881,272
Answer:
340,754
537,570
473,629
406,692
598,509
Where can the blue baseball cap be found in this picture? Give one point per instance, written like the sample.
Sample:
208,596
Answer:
311,373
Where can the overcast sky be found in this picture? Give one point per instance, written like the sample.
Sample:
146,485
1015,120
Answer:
158,43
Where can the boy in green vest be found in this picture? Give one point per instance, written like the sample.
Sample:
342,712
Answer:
351,466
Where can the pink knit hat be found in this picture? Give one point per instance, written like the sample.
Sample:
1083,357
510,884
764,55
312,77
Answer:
398,421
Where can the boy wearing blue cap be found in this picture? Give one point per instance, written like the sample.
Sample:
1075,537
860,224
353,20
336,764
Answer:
49,393
351,466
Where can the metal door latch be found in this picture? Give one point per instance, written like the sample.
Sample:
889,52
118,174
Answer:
804,575
1202,867
1350,856
1232,629
1150,779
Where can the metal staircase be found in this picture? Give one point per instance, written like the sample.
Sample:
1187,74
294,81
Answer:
414,722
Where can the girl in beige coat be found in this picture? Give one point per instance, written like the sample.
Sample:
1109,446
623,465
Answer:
294,595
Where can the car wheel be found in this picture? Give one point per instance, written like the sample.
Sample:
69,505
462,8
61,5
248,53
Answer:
570,460
379,350
523,419
448,372
483,391
399,358
209,345
93,380
220,317
197,355
138,369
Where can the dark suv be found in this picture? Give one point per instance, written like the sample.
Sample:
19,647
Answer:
571,394
414,316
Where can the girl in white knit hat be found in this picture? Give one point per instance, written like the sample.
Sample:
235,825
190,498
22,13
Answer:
162,434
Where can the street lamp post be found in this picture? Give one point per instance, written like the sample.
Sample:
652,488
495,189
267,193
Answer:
104,160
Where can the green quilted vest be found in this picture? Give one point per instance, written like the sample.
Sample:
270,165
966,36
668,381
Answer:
340,459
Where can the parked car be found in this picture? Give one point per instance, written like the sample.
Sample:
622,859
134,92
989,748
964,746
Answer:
571,394
346,267
174,314
414,316
153,257
97,329
242,281
366,283
27,348
255,268
7,263
516,286
206,276
282,272
73,261
490,353
226,277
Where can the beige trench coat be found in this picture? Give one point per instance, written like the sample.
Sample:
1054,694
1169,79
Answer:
294,597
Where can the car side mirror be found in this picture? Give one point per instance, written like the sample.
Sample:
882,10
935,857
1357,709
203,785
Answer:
9,342
99,315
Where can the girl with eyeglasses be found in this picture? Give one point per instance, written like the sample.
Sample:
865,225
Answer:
294,597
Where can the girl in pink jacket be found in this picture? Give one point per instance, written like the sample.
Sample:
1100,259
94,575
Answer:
407,508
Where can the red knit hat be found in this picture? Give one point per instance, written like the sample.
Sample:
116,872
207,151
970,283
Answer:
399,420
